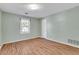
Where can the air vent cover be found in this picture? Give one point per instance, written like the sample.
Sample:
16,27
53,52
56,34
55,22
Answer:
75,42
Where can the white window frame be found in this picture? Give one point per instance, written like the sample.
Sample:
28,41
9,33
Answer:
21,26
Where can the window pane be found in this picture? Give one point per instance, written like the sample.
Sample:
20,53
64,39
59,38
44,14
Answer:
24,25
25,22
25,29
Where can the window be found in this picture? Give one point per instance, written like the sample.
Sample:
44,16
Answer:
24,26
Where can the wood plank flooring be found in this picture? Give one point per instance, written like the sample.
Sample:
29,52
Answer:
38,46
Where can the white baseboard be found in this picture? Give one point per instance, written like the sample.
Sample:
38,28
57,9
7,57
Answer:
19,40
61,42
1,46
40,37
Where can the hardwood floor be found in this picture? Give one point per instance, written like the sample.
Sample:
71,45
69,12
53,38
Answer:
38,46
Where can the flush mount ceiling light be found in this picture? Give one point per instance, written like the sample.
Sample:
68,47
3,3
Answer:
33,6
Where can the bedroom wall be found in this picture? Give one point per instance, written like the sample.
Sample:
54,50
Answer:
11,31
0,28
63,26
60,26
43,28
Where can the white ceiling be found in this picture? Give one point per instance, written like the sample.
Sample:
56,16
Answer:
46,8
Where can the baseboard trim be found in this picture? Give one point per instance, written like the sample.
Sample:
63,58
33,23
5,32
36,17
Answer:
20,40
1,46
61,42
37,38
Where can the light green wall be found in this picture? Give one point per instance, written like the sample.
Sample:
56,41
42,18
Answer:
60,26
11,31
63,25
0,29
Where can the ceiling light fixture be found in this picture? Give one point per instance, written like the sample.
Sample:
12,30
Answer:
33,6
26,13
